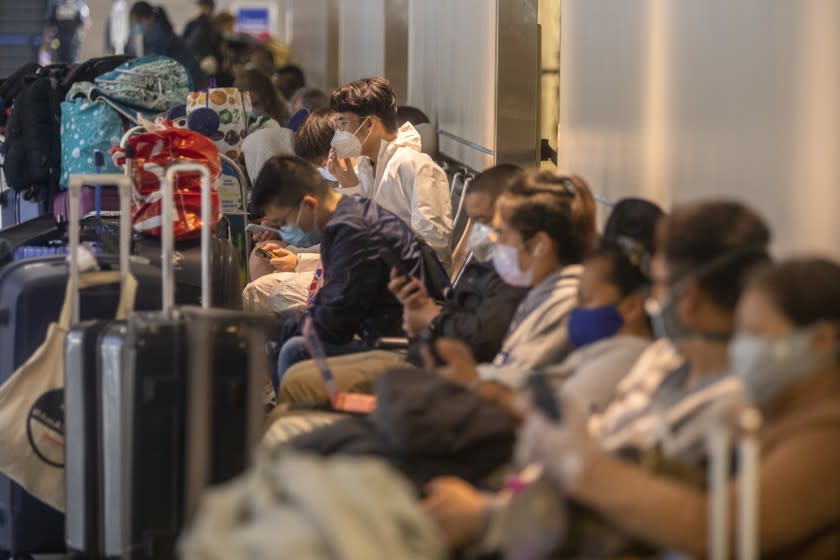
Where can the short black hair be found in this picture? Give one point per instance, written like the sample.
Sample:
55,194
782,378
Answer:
284,181
142,10
365,97
290,78
313,137
719,242
495,180
406,113
635,219
627,270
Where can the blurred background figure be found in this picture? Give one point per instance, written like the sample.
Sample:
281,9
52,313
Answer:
289,79
202,40
310,99
265,99
65,23
153,35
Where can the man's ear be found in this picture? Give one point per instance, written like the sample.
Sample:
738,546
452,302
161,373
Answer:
311,200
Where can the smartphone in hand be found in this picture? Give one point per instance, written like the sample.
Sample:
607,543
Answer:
263,253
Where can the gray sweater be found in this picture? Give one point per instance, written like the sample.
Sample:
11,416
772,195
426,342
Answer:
538,335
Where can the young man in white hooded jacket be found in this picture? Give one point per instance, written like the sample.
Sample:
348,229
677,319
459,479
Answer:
391,168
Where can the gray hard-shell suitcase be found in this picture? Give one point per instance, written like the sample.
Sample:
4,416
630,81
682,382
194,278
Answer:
81,380
181,405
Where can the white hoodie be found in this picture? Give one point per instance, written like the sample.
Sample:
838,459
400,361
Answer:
412,186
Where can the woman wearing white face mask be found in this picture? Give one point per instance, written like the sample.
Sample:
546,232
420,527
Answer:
787,353
544,226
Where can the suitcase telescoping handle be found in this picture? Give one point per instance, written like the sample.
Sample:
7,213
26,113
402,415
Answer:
123,183
168,231
747,422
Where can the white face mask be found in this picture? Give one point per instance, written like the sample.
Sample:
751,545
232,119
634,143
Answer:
480,242
767,367
506,263
346,144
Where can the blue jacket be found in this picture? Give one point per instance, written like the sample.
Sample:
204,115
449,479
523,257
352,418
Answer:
355,299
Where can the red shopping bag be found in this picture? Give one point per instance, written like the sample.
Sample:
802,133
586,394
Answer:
153,153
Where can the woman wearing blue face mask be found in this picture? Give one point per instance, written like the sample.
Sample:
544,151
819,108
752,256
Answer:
609,328
787,353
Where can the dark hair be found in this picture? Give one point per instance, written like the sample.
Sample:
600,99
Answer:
289,78
636,219
626,266
559,205
368,96
415,116
142,10
717,241
312,139
284,181
495,180
263,93
310,98
806,291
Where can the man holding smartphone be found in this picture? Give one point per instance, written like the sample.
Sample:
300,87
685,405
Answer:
354,307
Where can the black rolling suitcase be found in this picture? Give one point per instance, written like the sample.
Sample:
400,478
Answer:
31,296
181,406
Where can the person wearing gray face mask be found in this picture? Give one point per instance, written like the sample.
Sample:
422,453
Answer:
786,337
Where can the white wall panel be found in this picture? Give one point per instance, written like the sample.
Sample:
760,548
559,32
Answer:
361,39
314,45
678,100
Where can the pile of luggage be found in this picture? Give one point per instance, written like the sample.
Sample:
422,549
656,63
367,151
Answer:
98,355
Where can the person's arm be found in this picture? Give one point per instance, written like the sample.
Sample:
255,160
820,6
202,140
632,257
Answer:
354,281
484,328
431,209
799,493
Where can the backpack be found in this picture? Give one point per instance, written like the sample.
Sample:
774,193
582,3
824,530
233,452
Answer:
33,143
11,86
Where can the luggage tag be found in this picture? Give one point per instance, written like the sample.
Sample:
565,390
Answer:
356,403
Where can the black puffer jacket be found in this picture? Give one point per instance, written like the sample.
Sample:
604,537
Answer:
478,312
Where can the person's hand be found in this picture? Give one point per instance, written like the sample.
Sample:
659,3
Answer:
562,447
409,291
284,260
342,170
505,398
456,508
459,362
415,320
262,236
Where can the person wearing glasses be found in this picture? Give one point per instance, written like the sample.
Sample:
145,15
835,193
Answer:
391,169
